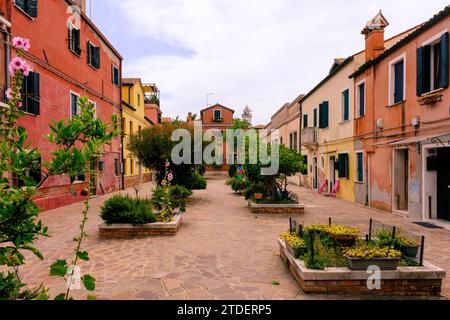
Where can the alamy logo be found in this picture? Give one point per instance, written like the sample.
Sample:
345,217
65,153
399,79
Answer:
374,280
73,278
74,20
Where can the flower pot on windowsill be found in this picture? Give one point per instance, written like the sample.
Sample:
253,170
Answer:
296,252
430,98
364,264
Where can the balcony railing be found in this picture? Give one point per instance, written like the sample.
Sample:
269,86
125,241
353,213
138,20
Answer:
152,99
309,136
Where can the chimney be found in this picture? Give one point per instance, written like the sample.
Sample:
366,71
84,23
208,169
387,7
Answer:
374,34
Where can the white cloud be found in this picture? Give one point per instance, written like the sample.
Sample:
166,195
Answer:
260,53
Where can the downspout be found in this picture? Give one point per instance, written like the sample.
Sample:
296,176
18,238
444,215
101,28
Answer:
122,160
5,25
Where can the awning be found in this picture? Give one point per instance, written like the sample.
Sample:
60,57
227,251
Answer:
417,139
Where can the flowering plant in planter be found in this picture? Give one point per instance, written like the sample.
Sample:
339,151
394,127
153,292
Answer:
363,256
165,201
295,244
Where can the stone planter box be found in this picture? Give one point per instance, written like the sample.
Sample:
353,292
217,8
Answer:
297,252
276,208
364,264
405,281
151,229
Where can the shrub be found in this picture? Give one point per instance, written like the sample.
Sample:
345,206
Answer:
232,170
198,182
238,185
124,209
178,196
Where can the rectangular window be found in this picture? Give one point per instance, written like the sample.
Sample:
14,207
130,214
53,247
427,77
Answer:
93,55
432,65
217,114
31,94
30,7
138,99
122,125
74,40
131,166
361,99
397,80
295,140
139,129
323,115
131,128
115,75
116,167
315,117
281,140
345,105
73,104
291,144
305,121
343,165
359,167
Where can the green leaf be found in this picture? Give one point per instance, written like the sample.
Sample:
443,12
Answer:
59,268
60,297
83,255
89,282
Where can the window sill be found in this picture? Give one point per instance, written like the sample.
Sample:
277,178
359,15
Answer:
78,182
76,54
23,12
29,114
359,182
344,121
90,65
393,105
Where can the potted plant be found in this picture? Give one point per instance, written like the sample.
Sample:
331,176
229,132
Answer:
294,244
409,247
364,256
342,236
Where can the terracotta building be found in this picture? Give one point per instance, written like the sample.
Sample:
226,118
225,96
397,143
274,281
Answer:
69,57
5,28
402,120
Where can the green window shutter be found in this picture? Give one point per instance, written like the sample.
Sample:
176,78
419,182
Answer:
21,4
32,8
76,41
97,57
321,116
346,105
360,166
325,113
70,39
420,71
426,69
343,165
315,118
443,64
35,96
305,121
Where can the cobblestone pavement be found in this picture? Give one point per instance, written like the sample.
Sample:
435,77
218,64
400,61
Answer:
221,251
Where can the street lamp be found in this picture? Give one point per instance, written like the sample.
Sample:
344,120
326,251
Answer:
207,98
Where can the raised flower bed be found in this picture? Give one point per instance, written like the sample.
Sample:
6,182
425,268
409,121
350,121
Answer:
328,267
277,208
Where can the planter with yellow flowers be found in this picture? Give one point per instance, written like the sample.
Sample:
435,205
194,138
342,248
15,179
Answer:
294,244
363,256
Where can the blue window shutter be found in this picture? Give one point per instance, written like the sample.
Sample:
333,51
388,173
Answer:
362,92
399,82
443,65
321,116
426,69
420,73
21,4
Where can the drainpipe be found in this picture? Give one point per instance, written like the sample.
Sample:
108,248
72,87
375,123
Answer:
5,25
122,166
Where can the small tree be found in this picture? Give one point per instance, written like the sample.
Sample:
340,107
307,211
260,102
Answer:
153,146
78,142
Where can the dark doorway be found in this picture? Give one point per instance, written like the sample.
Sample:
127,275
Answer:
315,185
401,179
443,183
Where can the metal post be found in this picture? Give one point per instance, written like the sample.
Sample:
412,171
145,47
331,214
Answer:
370,229
329,221
300,231
311,238
422,245
290,225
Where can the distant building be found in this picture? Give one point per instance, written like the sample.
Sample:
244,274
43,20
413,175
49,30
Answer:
247,115
134,119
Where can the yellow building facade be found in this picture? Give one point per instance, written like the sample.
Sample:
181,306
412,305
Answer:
133,120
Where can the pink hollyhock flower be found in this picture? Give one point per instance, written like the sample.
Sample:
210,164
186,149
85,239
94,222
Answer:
17,63
9,93
167,164
170,176
19,104
26,44
26,69
17,42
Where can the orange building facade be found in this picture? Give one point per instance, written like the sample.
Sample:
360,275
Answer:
402,120
69,58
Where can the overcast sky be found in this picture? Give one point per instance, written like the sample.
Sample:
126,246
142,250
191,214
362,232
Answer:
260,53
